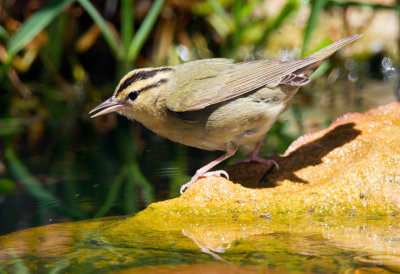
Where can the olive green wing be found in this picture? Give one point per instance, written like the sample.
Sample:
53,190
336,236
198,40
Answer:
196,81
204,83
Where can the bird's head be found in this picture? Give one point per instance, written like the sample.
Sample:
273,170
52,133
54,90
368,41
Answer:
136,90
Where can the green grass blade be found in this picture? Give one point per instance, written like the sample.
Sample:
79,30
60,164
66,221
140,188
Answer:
317,6
288,9
112,194
236,10
219,9
326,42
321,70
130,191
127,29
237,29
105,30
33,186
144,30
56,34
248,8
145,186
241,12
126,23
36,23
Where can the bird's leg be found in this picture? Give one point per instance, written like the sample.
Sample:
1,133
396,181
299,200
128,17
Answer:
254,156
203,172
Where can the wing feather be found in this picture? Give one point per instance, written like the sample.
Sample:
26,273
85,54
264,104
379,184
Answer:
295,80
203,83
237,79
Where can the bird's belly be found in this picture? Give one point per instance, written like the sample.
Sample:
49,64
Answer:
242,121
253,124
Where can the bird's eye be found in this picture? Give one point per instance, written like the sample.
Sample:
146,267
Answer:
133,95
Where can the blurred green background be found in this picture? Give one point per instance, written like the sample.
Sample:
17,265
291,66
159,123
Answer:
61,58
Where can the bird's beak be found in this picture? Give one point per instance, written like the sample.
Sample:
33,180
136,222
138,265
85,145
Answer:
107,106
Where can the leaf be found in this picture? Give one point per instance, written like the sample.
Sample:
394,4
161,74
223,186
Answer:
317,6
102,24
248,8
127,31
36,23
126,22
144,30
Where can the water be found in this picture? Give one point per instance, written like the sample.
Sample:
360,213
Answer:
278,244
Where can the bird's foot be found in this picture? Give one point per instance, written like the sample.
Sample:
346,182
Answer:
199,175
255,158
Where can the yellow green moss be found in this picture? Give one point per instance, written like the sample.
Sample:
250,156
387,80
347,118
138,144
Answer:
350,168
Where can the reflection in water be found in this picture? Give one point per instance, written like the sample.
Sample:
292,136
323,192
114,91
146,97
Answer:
281,243
206,249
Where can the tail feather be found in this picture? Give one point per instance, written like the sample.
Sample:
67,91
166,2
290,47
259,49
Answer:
331,49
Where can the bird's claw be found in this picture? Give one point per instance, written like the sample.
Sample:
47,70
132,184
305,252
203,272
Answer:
207,174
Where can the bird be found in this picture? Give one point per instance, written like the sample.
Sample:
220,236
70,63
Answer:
214,104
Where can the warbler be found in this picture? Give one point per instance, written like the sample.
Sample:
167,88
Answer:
214,104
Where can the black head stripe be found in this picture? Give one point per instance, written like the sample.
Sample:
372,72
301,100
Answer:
140,75
153,85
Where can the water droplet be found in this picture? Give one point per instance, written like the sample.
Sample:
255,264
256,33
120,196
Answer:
387,69
387,63
353,76
183,52
288,54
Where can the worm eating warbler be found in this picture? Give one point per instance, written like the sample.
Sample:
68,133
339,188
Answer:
214,104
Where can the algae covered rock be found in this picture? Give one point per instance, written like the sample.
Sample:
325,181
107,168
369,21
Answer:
351,167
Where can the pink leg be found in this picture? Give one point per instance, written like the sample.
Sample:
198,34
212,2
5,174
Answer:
254,157
202,172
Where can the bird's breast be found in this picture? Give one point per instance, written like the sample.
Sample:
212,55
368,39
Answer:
241,121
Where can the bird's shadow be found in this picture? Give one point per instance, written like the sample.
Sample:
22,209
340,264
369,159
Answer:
256,175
